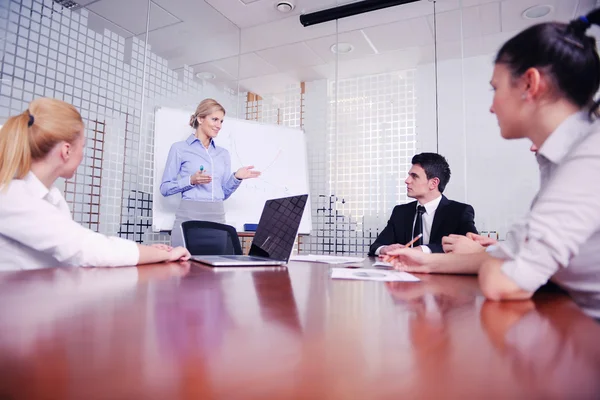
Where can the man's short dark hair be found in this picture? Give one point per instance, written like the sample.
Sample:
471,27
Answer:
435,166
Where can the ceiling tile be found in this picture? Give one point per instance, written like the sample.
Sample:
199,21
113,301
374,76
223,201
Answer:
245,13
202,18
512,10
467,23
322,46
471,3
448,25
400,35
282,32
220,75
250,65
386,16
268,84
290,56
189,52
132,14
85,2
489,16
99,24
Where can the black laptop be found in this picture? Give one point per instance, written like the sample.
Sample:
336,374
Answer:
274,238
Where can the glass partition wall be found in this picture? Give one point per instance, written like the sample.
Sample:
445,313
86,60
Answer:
72,52
116,62
369,91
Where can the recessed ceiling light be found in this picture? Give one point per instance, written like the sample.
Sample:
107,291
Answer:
341,48
205,76
284,6
538,11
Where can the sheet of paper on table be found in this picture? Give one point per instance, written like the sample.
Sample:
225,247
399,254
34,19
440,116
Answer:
326,259
382,264
372,275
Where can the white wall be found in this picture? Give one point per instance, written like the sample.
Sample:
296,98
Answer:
498,177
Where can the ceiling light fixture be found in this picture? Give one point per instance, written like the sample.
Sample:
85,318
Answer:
205,76
348,10
284,6
538,11
341,48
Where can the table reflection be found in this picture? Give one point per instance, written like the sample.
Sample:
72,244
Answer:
551,346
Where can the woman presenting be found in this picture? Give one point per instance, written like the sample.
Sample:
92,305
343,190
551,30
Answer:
201,171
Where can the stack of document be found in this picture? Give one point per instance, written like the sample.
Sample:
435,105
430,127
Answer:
326,259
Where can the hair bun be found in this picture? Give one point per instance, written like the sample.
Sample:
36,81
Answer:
193,121
580,25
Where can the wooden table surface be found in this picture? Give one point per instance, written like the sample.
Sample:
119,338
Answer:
183,331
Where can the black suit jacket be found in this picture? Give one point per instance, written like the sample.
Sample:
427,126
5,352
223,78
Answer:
450,217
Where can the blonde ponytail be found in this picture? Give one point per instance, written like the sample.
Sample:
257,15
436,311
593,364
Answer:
15,154
31,135
205,108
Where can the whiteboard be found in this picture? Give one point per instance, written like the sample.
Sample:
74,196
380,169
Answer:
278,152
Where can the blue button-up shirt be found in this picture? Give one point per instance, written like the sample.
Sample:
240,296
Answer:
185,159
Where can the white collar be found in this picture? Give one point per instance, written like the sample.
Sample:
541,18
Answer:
35,186
39,190
565,136
431,206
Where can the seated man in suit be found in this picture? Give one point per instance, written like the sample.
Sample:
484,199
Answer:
432,214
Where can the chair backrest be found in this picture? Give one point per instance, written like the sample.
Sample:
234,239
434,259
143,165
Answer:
203,238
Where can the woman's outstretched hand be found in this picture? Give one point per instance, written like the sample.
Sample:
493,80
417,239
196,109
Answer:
247,173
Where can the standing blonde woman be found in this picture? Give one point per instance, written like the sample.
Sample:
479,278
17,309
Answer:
201,171
37,147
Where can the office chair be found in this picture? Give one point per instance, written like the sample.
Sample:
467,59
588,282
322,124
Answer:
203,238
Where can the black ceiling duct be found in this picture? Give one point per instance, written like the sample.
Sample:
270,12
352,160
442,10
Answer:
348,10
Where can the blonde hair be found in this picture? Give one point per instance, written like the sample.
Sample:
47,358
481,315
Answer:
31,135
205,108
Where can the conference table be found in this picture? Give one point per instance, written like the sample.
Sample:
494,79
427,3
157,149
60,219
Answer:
185,331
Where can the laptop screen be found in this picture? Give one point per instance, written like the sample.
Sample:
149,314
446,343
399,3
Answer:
277,228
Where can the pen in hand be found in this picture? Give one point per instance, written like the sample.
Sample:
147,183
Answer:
390,258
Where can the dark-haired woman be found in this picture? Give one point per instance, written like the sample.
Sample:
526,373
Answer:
544,83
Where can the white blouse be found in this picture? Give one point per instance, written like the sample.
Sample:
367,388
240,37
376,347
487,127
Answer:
560,237
38,231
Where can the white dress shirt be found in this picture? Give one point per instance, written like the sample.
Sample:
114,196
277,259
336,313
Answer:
427,219
37,231
559,238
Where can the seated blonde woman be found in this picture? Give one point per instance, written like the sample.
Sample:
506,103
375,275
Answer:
37,147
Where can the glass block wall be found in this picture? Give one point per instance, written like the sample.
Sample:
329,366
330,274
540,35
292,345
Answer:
50,51
360,144
360,140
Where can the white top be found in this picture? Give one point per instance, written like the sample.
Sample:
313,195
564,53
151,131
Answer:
427,219
560,236
37,231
